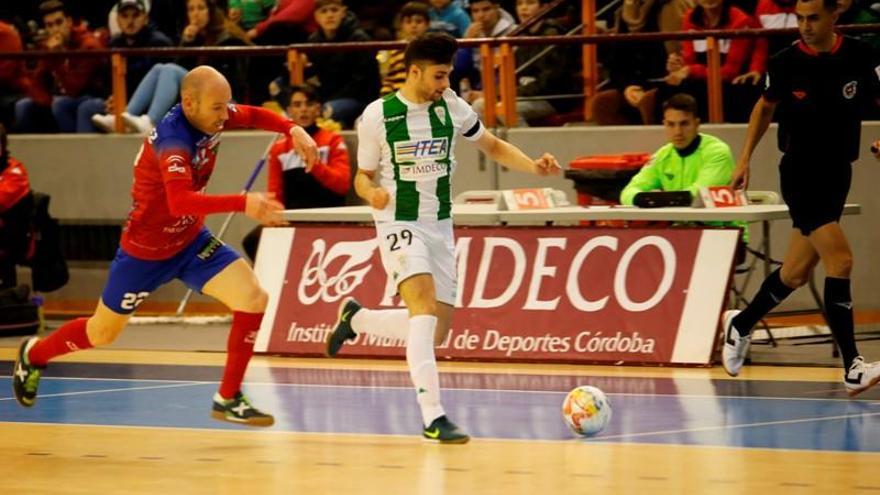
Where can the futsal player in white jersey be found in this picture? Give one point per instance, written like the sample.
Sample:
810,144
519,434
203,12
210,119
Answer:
405,141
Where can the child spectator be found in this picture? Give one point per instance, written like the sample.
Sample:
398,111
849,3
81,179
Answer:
414,21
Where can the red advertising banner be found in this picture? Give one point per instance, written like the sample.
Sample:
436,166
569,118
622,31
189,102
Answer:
536,294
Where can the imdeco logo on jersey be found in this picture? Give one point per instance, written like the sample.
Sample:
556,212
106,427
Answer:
422,149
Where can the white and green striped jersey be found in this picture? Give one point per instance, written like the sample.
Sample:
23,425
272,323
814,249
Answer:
411,147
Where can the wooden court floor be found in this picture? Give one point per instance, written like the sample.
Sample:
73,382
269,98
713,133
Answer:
137,422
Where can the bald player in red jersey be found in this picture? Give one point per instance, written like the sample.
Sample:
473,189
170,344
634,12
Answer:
165,238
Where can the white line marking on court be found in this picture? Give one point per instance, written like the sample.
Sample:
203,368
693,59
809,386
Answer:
92,379
127,389
739,426
482,390
564,392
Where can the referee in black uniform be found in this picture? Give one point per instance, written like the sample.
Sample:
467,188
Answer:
821,86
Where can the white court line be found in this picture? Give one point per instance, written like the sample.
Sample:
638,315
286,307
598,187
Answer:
86,392
92,379
739,426
513,391
562,392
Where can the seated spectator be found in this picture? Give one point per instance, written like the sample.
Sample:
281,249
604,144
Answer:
690,160
249,13
14,81
159,90
553,73
16,203
348,80
113,19
488,20
688,72
634,68
447,16
328,181
134,32
79,85
770,14
414,21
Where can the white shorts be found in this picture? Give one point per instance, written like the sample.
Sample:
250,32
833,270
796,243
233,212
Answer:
411,248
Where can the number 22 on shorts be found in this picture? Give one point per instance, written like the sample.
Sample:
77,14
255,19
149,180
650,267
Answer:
131,300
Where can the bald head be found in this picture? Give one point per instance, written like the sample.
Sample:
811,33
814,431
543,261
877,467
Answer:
205,95
200,79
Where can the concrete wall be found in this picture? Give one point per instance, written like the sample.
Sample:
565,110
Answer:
89,177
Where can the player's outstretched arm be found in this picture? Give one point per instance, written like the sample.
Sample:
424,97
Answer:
759,121
512,157
375,196
250,117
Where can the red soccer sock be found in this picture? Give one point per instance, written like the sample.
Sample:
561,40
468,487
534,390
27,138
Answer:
239,349
71,337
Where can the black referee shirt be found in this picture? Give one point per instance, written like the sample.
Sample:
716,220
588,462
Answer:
822,97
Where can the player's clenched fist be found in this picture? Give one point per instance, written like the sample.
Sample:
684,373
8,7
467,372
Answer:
378,198
263,209
547,165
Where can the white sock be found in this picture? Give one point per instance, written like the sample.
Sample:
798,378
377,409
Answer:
392,323
423,366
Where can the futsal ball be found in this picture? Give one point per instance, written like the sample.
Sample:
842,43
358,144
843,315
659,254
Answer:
586,410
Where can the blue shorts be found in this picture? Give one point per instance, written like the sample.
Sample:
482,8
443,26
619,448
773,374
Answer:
132,279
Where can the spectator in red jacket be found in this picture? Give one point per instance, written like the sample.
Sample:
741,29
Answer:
79,84
14,81
291,21
688,71
289,180
15,209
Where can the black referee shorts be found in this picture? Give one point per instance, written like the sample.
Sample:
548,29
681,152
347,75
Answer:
814,189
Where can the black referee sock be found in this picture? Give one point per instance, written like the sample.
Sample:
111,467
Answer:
772,292
838,311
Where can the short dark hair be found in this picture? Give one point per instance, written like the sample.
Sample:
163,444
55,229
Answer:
52,6
434,48
414,9
829,5
306,89
682,102
320,4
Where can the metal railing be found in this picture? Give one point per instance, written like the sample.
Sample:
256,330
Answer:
496,54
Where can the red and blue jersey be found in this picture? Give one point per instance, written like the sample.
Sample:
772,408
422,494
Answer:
170,173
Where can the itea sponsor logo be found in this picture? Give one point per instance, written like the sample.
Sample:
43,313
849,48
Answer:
318,283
